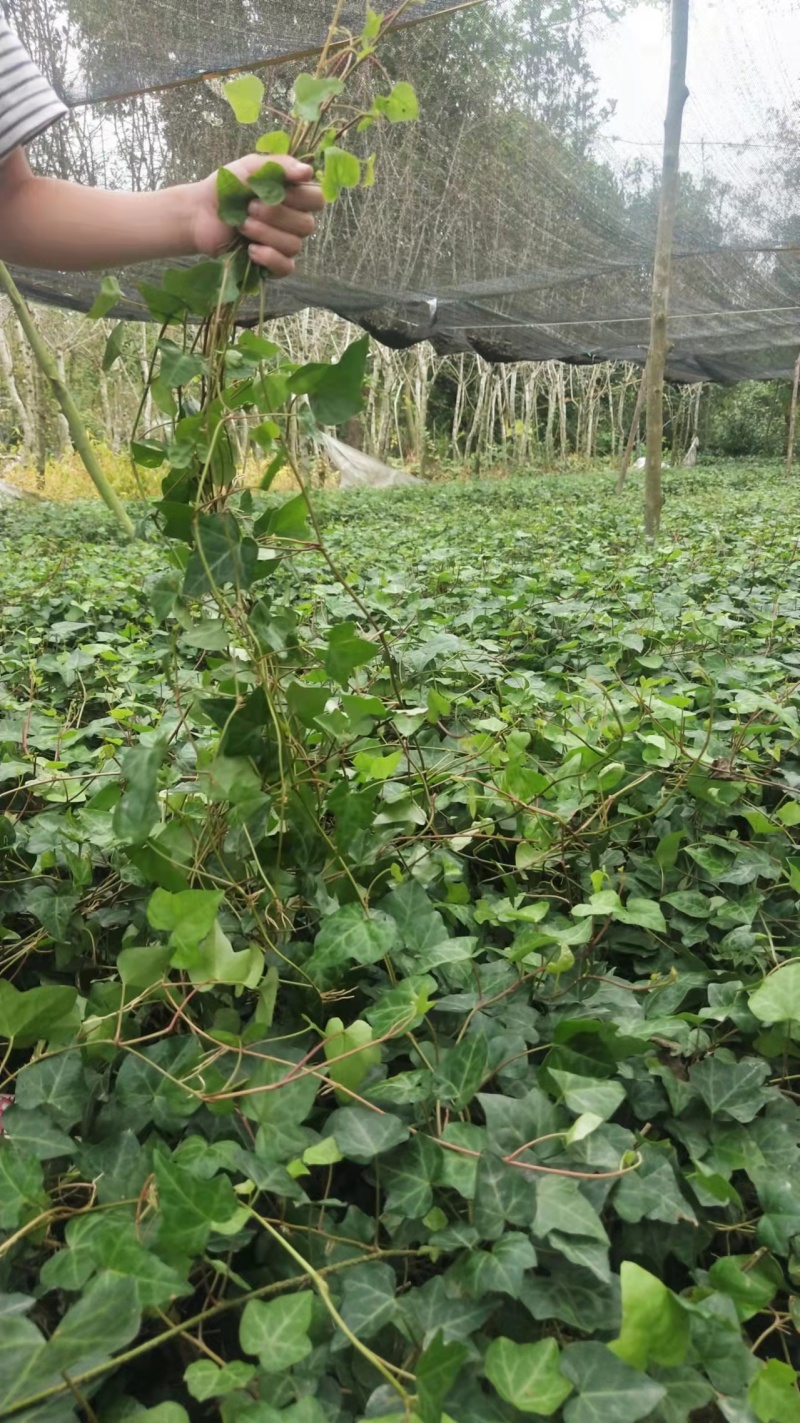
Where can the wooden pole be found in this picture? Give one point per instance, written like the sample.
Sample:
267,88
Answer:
662,270
793,417
627,454
72,415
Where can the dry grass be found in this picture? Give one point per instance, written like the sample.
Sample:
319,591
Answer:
66,479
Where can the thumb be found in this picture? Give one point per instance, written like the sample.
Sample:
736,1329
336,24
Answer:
295,171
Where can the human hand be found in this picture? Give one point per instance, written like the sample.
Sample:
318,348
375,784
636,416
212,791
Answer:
275,235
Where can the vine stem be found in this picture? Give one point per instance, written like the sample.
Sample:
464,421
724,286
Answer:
391,1374
195,1322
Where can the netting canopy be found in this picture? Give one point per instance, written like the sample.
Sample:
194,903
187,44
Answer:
517,219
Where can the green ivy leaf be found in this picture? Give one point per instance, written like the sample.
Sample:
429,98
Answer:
104,1320
178,367
346,652
369,1299
221,556
188,917
114,346
609,1391
33,1134
353,935
750,1282
335,390
362,1134
778,998
731,1088
110,295
561,1207
403,1007
137,812
277,1330
461,1071
437,1370
589,1094
233,198
204,286
189,1207
21,1187
528,1376
502,1193
410,1178
269,184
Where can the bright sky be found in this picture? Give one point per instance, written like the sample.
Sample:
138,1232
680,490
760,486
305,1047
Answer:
744,58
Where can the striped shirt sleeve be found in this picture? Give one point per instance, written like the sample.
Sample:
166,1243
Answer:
28,104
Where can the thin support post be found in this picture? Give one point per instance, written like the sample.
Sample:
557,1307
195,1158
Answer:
627,454
793,418
662,269
70,411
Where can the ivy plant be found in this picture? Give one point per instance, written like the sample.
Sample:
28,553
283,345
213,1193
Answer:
401,1003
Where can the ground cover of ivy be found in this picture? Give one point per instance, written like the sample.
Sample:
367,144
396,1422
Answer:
453,1079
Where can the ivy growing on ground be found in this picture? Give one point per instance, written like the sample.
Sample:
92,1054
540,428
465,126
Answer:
400,997
420,1040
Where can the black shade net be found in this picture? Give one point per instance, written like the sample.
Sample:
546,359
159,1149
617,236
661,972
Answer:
517,218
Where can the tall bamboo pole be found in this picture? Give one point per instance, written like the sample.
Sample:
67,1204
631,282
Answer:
72,415
793,418
662,270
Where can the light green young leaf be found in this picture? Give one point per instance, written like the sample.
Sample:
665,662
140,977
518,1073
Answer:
25,1017
528,1376
205,1379
310,94
773,1393
341,170
353,1045
245,94
275,142
778,998
655,1325
400,106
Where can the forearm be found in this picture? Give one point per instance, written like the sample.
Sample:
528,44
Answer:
51,224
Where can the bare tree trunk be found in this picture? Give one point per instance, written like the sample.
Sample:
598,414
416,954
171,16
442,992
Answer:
552,408
18,404
64,442
562,415
627,454
793,417
662,271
